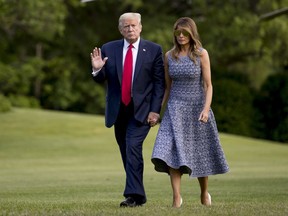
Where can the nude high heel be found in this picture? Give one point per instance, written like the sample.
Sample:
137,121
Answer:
181,201
210,200
209,203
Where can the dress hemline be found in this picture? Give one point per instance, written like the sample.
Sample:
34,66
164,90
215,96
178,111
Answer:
160,165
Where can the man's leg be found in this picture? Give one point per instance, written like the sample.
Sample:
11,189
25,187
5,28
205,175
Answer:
120,128
135,136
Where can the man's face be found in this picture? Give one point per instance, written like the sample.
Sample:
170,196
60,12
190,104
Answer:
130,29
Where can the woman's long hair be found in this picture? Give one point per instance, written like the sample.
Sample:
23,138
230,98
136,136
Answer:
189,25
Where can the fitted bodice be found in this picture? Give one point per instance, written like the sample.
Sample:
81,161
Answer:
186,79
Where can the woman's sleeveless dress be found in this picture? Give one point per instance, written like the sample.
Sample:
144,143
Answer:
183,142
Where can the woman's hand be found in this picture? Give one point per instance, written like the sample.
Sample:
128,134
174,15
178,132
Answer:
204,115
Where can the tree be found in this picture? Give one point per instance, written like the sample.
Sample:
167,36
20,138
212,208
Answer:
232,105
45,47
238,42
272,105
27,26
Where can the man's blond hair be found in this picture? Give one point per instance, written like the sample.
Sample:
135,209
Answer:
129,15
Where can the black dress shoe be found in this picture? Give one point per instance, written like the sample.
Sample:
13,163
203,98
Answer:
140,201
129,202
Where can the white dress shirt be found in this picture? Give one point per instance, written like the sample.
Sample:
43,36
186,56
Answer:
134,53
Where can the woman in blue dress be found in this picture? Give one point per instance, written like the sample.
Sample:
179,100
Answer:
188,141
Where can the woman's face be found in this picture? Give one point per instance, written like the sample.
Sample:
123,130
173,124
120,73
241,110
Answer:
182,36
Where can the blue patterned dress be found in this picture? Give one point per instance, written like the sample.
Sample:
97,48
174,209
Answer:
183,142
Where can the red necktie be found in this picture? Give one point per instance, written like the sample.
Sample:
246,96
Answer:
127,76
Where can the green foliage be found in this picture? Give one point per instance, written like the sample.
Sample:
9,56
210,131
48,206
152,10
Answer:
274,41
39,19
162,28
272,105
237,41
232,105
233,39
91,99
5,104
23,101
8,78
57,85
45,47
20,77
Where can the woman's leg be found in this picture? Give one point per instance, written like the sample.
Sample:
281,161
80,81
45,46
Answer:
205,196
175,177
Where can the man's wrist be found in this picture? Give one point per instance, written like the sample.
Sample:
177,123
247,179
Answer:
95,72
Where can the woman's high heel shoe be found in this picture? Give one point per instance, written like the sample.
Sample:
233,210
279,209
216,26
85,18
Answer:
210,200
181,201
209,203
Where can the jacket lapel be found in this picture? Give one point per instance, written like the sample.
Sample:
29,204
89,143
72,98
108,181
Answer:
119,58
140,58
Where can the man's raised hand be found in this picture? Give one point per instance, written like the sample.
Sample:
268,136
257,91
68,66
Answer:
96,59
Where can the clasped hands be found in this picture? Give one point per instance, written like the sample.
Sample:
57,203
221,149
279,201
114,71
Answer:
153,118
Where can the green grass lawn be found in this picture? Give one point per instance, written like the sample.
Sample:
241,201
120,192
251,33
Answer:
58,163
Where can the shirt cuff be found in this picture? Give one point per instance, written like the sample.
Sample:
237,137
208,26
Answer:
95,72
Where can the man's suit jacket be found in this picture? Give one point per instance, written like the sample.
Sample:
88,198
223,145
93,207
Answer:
148,82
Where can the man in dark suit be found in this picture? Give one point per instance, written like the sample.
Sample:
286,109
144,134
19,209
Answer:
133,103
